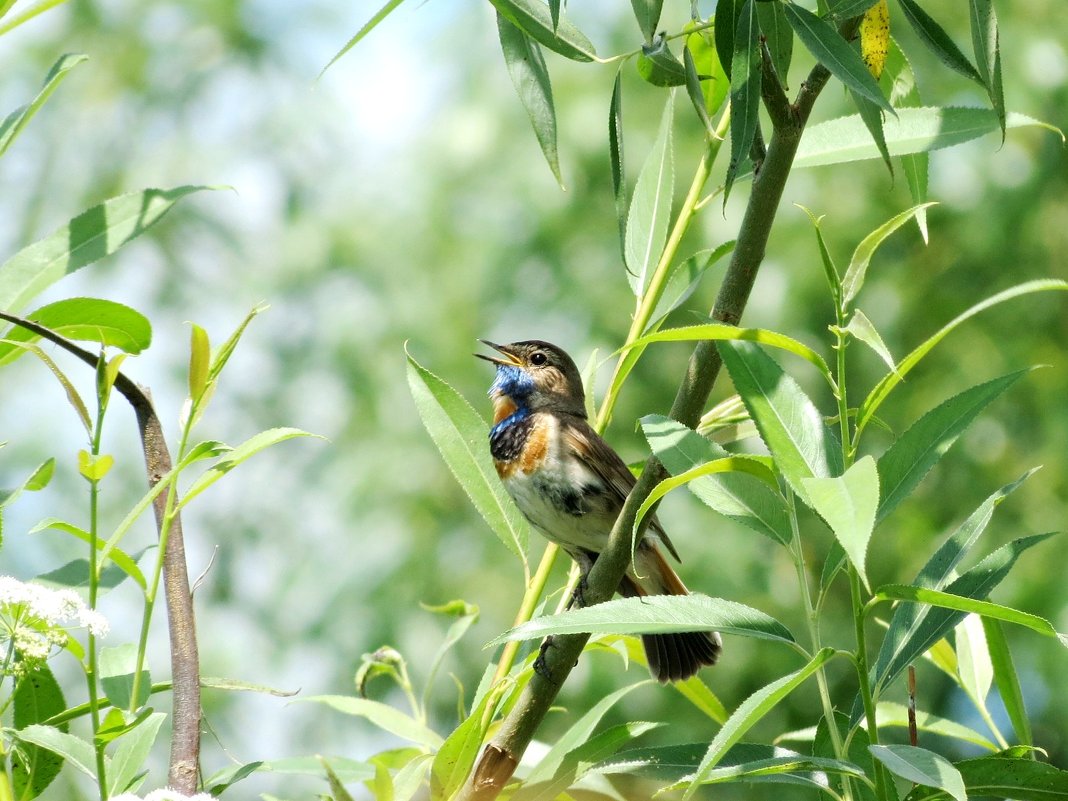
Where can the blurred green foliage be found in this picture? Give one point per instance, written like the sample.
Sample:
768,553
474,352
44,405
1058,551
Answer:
402,197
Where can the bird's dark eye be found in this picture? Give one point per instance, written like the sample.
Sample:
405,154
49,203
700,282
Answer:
537,358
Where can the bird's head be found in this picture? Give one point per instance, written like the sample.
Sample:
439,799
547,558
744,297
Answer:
535,375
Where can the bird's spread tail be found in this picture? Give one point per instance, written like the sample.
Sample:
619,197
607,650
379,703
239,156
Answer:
671,657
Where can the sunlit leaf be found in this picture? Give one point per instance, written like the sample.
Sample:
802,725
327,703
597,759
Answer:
659,66
649,214
889,714
17,120
848,503
127,764
921,766
987,46
615,148
362,32
1007,681
1004,776
381,715
86,319
714,81
534,18
647,12
36,698
74,750
854,276
864,329
456,756
875,37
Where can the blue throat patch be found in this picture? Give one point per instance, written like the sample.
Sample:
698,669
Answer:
517,385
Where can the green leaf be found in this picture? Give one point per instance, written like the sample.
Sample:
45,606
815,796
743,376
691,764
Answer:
750,712
362,32
530,76
1008,683
899,83
85,319
654,614
381,715
987,47
779,36
830,49
915,452
456,756
90,236
889,714
789,423
36,698
647,12
1002,776
132,752
738,496
460,434
809,769
714,81
746,76
577,734
830,269
864,329
684,279
725,25
94,468
534,17
199,361
615,148
695,91
858,265
659,66
848,504
886,385
924,626
116,670
649,214
921,766
947,600
937,40
73,398
466,615
975,673
37,480
75,750
913,130
18,119
75,573
844,9
231,459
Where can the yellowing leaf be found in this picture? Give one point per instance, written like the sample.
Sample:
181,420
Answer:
875,37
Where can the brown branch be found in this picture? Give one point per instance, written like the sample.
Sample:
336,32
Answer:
502,754
185,659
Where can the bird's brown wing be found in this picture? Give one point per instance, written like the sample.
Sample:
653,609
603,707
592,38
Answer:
599,456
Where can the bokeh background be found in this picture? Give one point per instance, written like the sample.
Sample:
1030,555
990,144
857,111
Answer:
402,198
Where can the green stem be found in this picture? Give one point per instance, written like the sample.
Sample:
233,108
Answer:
862,677
91,672
662,272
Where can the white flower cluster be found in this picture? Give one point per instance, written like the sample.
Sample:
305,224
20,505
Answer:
166,794
34,618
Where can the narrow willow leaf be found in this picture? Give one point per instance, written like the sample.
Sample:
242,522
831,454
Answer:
119,557
746,76
914,130
844,9
916,451
36,698
649,214
789,765
90,236
714,81
87,320
362,32
789,423
875,38
987,47
615,148
534,18
922,767
578,733
658,65
948,600
130,755
456,756
683,281
1005,775
830,49
725,25
554,13
899,83
930,624
779,37
654,614
381,715
937,40
889,714
858,264
695,91
460,434
530,77
73,397
1007,681
864,329
117,672
748,713
872,117
974,669
647,13
199,361
18,119
886,385
830,269
738,496
37,480
848,503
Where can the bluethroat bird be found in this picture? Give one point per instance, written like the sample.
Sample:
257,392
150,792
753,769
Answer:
570,484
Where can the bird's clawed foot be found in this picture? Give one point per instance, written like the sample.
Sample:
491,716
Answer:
540,667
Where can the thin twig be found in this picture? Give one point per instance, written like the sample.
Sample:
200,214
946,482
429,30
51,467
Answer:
185,659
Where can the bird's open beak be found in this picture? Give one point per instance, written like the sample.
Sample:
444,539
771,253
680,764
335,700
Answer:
510,357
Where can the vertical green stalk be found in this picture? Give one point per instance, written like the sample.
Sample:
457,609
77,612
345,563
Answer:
91,672
5,784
